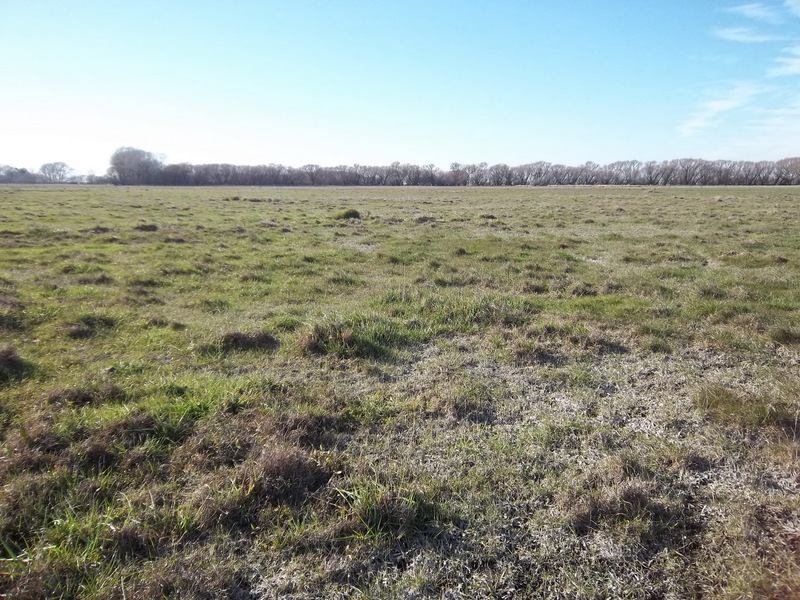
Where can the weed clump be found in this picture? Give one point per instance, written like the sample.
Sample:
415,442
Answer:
201,573
161,323
473,402
331,338
531,352
34,447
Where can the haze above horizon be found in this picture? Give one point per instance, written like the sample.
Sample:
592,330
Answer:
360,82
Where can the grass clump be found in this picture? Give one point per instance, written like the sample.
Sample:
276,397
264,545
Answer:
785,335
350,213
234,341
11,313
748,410
622,506
234,496
88,326
12,366
373,510
356,337
89,394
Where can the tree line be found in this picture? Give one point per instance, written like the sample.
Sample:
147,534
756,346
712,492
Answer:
57,172
132,166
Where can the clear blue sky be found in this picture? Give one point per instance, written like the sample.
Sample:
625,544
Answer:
370,82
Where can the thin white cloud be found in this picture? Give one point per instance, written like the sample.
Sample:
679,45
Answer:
757,11
774,132
788,64
744,35
709,113
792,6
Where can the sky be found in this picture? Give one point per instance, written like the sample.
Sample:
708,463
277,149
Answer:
343,82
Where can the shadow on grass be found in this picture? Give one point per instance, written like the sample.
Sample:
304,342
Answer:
13,367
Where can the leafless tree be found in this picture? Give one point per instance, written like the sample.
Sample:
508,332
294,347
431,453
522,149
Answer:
131,166
499,174
55,172
787,171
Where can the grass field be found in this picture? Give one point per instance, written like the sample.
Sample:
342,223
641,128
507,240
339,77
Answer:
397,393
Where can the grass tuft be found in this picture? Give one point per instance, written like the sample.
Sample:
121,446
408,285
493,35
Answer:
750,411
625,509
350,213
372,510
356,337
233,496
11,313
785,336
88,326
12,366
90,394
244,341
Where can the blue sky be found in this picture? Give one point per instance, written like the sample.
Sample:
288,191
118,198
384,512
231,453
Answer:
372,82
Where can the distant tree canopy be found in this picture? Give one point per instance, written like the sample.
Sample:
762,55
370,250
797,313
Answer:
130,166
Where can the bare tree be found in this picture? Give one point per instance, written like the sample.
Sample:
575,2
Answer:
787,171
587,173
723,172
476,174
558,174
538,173
55,172
430,175
131,166
313,173
458,174
499,174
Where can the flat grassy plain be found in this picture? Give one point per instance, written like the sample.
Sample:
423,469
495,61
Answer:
399,393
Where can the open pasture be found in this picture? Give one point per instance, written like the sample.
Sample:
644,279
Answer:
399,393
